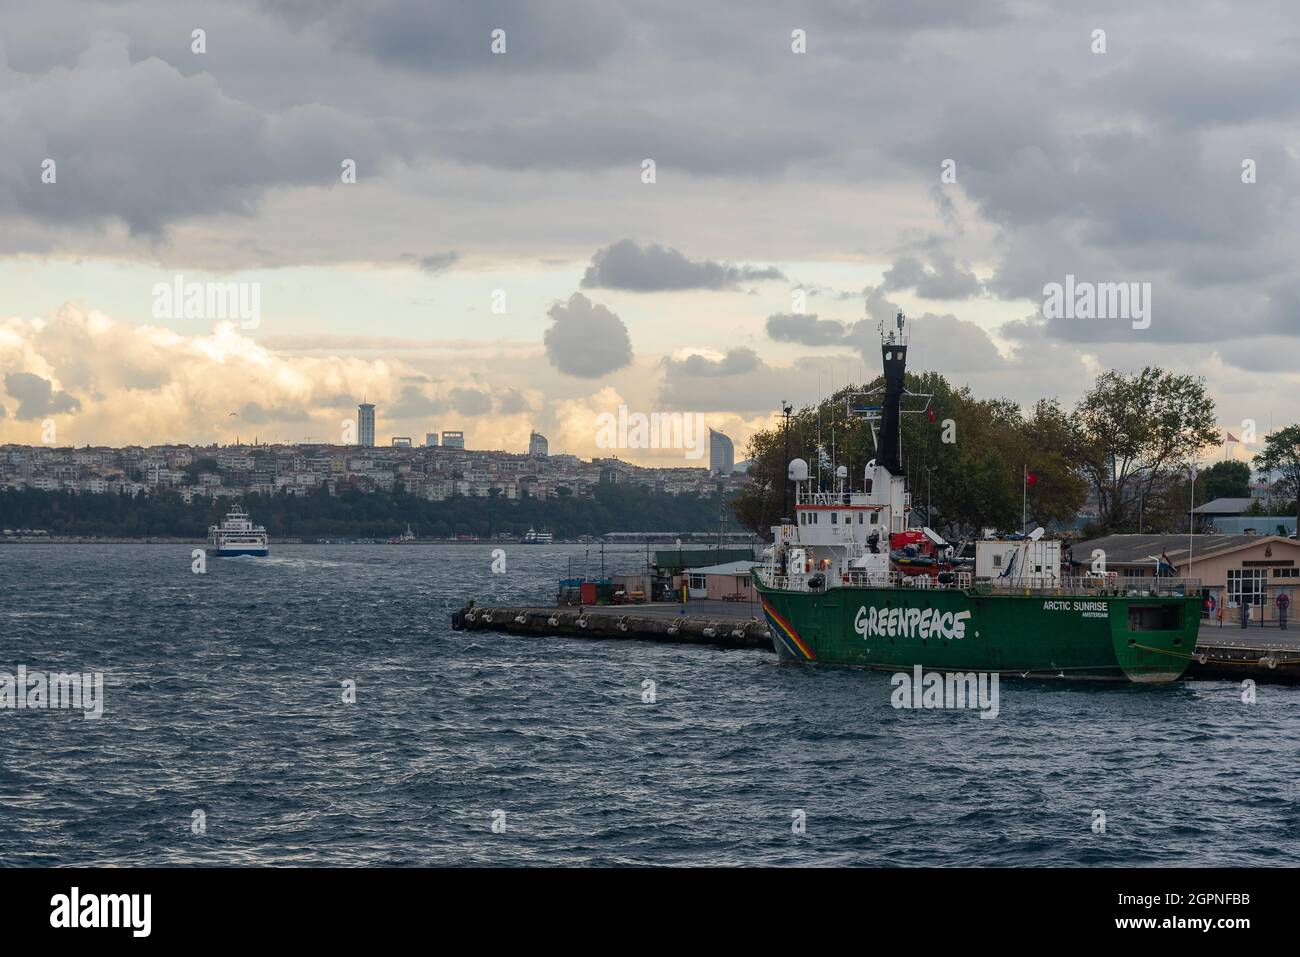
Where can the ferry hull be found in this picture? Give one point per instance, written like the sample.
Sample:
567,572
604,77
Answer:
1100,637
230,551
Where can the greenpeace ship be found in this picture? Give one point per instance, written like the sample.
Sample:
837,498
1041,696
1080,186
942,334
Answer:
847,581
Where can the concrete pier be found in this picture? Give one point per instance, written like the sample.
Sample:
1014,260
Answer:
647,623
1262,654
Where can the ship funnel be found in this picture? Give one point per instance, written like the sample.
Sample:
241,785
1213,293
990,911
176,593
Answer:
893,351
798,471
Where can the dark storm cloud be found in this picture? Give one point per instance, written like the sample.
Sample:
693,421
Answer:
655,268
749,388
1109,167
736,362
604,137
436,263
413,403
512,402
37,397
805,328
585,339
139,142
471,402
449,36
940,278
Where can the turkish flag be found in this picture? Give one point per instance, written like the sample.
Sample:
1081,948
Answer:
1030,478
930,413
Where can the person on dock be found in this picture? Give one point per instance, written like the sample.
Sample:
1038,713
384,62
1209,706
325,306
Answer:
1283,602
1245,611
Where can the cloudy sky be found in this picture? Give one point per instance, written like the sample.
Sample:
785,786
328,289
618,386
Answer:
501,262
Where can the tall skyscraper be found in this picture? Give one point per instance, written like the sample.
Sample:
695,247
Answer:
366,424
453,440
722,453
538,447
431,439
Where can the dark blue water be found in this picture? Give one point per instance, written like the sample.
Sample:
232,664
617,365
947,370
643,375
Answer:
224,695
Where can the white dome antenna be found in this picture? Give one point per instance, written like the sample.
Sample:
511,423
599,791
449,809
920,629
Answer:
797,471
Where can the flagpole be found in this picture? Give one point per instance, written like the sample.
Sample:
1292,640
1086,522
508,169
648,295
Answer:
1191,520
1024,499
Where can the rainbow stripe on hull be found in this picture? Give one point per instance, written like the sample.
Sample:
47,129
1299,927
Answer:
785,639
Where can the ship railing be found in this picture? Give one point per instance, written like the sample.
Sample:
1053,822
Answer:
1082,585
843,499
1094,585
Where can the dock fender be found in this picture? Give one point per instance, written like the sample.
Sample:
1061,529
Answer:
622,623
582,622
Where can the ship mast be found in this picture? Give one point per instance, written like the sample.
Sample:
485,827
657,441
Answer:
893,351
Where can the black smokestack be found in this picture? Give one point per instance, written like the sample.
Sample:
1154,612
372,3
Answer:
894,353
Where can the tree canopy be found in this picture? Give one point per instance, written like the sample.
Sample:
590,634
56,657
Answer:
1129,439
354,514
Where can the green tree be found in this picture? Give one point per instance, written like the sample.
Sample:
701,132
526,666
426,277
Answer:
1281,454
967,484
1226,480
1132,431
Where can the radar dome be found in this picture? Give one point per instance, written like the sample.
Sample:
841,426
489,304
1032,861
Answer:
841,472
798,471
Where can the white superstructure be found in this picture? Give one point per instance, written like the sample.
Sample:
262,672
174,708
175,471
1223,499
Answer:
237,535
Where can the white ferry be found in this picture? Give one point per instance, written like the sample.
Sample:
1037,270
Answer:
406,536
237,535
535,537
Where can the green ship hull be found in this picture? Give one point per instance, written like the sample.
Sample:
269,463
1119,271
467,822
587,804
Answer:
1128,637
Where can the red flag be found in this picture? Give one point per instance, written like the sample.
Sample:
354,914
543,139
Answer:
930,414
1231,437
1030,477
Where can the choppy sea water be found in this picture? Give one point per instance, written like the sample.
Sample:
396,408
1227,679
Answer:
224,695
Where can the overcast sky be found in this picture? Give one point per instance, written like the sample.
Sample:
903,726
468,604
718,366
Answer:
516,180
